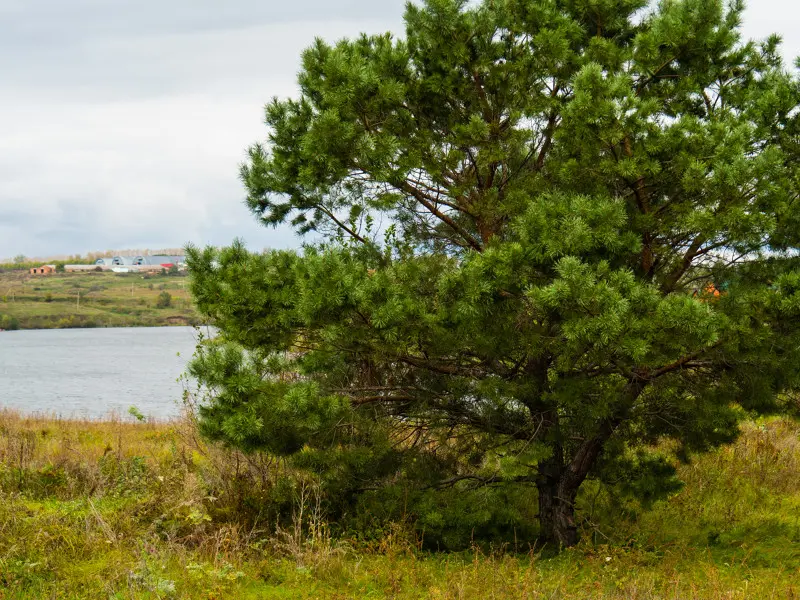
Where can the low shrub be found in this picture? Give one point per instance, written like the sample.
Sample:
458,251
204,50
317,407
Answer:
164,300
8,322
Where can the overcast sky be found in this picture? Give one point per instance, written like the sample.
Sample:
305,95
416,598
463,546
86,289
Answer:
122,122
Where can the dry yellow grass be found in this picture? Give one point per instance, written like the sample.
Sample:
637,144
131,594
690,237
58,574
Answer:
118,509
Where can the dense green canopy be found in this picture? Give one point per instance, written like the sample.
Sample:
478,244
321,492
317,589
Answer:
548,234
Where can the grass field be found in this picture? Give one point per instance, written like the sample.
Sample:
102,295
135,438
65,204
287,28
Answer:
92,300
116,509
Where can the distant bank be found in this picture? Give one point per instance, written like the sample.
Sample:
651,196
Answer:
94,299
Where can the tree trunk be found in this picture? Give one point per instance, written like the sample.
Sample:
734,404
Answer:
557,513
559,479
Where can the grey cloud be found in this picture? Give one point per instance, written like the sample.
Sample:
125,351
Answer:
43,21
10,216
110,57
72,42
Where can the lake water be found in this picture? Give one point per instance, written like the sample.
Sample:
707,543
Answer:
93,372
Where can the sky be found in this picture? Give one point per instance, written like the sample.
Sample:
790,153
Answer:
123,122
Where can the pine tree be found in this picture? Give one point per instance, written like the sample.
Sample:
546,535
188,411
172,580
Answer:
553,232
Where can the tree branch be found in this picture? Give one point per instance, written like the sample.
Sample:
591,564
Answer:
681,362
361,400
481,480
341,225
429,205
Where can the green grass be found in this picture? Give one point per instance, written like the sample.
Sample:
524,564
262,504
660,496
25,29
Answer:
113,509
92,300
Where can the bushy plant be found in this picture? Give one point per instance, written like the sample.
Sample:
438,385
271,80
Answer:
164,300
8,322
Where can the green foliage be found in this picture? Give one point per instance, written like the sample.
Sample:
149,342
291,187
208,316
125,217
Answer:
164,300
552,235
136,414
123,477
8,322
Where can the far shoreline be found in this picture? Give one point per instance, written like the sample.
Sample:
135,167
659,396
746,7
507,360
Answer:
95,300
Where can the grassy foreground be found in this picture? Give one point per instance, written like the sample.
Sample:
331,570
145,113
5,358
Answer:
92,299
114,509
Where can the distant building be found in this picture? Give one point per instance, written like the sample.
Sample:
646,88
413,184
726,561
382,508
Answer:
43,270
160,260
131,264
114,261
80,268
140,263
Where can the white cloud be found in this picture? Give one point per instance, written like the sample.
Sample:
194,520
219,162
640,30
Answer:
145,151
765,17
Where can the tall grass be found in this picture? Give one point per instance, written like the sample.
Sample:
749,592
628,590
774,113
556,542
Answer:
121,509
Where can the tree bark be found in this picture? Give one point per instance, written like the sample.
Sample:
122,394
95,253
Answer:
559,480
557,513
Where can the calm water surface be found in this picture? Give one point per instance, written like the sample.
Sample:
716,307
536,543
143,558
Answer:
92,372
